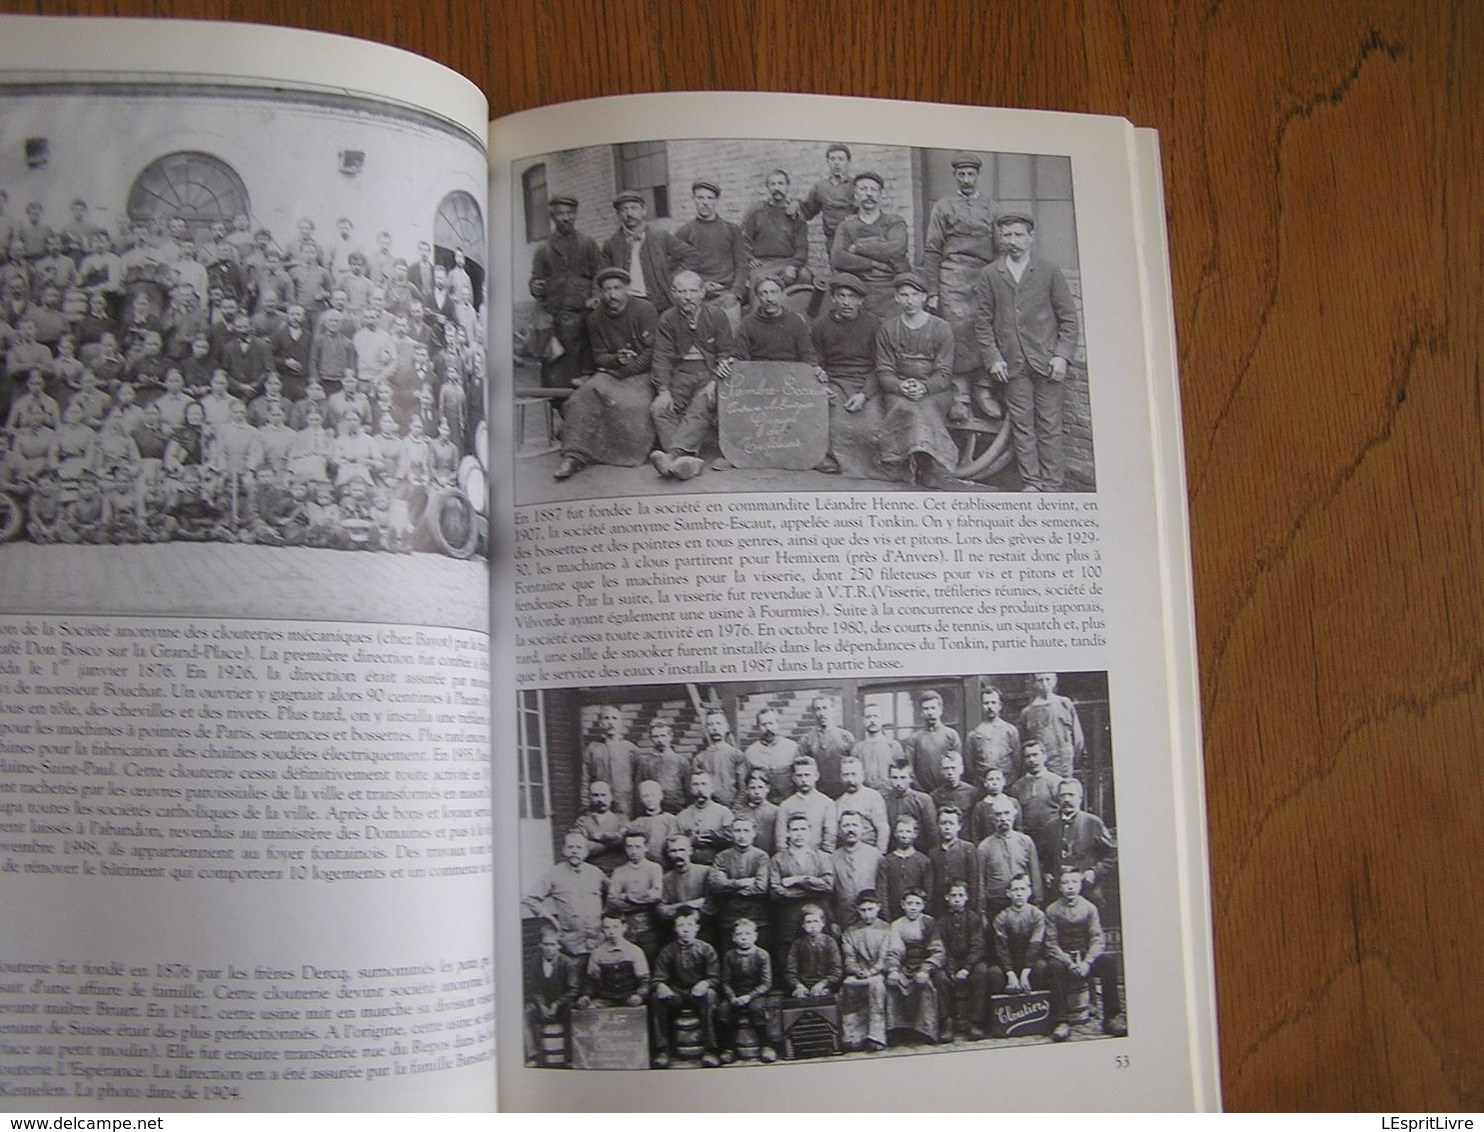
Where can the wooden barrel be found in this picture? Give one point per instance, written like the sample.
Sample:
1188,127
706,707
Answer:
748,1045
553,1044
473,483
688,1037
1079,1000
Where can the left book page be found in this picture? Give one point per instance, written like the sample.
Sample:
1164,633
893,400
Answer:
244,617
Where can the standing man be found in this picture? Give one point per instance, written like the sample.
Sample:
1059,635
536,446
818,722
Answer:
833,198
773,754
562,279
777,236
719,758
651,256
927,745
958,246
877,751
721,253
692,342
1052,720
826,744
995,742
611,758
1026,323
606,420
872,244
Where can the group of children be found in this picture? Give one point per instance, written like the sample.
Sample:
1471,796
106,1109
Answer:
727,915
179,384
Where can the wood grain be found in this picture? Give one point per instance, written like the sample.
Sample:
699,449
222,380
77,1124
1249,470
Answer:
1323,171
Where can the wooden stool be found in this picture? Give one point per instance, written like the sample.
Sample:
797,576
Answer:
749,1048
546,438
811,1029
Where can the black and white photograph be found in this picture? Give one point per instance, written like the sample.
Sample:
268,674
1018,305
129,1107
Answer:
243,343
737,874
725,315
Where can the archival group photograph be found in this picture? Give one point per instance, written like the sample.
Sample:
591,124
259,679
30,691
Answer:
724,315
243,336
759,872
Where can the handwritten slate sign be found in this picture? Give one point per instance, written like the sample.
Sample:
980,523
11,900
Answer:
1012,1015
610,1037
773,415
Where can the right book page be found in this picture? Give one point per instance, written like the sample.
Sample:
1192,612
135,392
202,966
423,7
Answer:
847,714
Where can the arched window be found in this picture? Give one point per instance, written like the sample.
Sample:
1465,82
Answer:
460,224
197,186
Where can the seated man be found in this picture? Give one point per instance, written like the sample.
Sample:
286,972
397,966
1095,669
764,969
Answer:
687,975
607,419
844,340
552,984
692,341
914,375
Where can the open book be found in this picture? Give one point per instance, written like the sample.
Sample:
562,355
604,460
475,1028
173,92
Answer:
494,612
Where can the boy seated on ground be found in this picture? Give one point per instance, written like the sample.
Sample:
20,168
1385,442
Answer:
686,977
746,983
1075,949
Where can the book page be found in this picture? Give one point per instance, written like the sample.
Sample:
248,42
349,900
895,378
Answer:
850,701
244,793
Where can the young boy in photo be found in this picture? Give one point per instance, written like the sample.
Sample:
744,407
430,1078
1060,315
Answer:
904,867
914,999
746,981
870,951
1075,948
686,977
966,972
1019,934
617,971
954,860
738,882
814,967
552,985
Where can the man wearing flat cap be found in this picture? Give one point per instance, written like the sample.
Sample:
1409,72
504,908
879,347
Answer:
721,252
650,255
562,274
1026,323
914,371
832,198
872,245
606,420
845,343
958,246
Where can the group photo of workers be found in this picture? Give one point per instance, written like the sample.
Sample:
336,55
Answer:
190,359
934,295
748,873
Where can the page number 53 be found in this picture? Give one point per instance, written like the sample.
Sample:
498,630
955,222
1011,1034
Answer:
1120,1061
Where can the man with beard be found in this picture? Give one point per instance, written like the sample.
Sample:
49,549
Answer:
721,252
872,244
606,419
562,276
692,342
1084,843
651,256
927,745
773,754
611,758
777,236
826,744
725,763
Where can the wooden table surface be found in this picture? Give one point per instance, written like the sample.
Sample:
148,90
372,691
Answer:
1323,169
